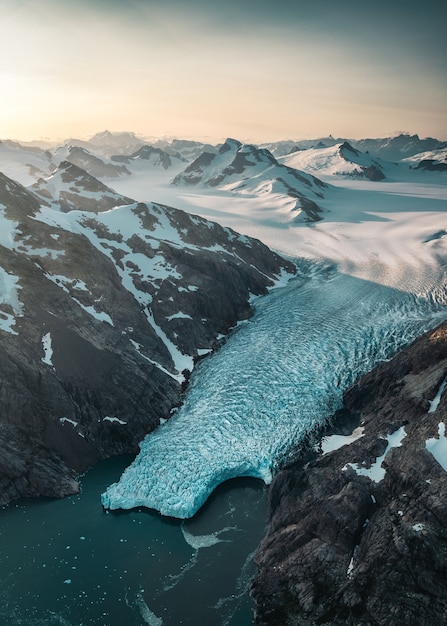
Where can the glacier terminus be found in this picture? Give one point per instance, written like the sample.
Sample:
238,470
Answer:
278,378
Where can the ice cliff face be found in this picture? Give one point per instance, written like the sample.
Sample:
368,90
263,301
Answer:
103,313
276,380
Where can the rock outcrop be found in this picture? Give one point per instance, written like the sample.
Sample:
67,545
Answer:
102,315
358,535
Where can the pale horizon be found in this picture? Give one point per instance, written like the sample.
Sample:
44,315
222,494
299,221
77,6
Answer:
198,71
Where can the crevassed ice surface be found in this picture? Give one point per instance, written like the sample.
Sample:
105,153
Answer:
280,375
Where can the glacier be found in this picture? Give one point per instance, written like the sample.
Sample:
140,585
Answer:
279,377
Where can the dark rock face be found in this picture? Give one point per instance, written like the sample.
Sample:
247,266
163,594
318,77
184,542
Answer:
102,316
432,165
366,167
344,546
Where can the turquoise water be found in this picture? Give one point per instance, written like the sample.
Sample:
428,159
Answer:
70,563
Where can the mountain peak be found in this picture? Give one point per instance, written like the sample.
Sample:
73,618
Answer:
72,188
346,147
230,144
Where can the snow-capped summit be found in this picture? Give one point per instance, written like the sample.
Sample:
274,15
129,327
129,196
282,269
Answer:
70,187
339,160
432,160
107,143
398,147
247,169
94,165
24,165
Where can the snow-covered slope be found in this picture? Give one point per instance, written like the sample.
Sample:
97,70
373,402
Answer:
94,165
398,147
244,169
70,187
24,165
431,161
339,160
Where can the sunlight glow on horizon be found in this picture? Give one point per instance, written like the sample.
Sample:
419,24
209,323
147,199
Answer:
74,71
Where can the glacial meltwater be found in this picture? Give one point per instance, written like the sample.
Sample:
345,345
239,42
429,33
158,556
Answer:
280,375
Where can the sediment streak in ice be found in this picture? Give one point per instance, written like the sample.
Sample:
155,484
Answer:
279,376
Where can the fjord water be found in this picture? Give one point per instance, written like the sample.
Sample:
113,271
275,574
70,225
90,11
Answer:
279,375
69,563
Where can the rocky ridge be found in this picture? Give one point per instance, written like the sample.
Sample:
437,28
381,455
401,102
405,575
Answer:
102,316
337,160
357,536
247,169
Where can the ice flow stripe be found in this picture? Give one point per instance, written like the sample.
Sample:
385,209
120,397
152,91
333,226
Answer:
279,376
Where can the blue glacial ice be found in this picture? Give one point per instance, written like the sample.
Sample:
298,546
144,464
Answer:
278,377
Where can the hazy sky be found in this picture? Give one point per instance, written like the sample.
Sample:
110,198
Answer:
257,70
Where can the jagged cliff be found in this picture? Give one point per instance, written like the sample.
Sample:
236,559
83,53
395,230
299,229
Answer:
358,535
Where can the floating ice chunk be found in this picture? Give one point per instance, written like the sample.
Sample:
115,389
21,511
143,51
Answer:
418,527
148,616
204,541
376,472
334,442
438,447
